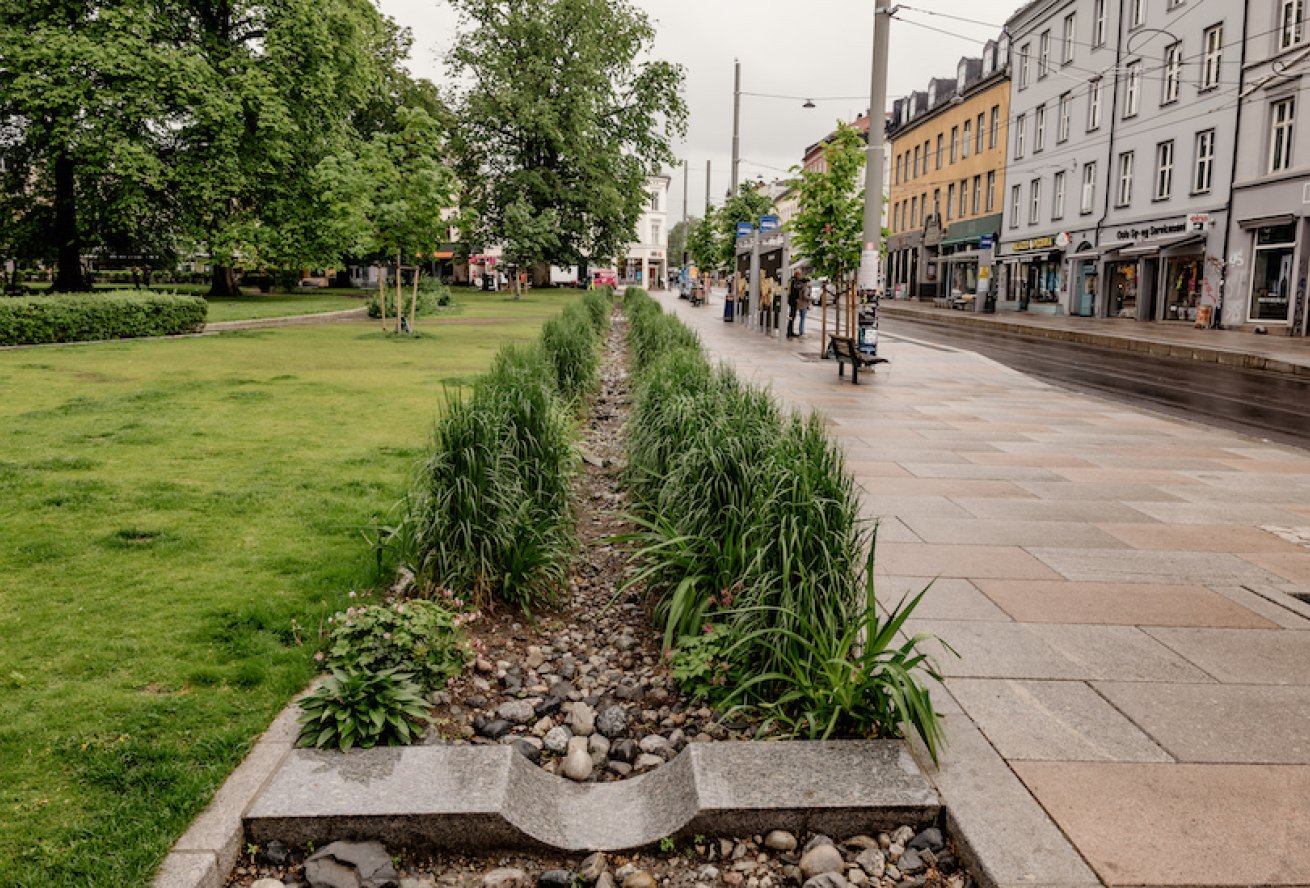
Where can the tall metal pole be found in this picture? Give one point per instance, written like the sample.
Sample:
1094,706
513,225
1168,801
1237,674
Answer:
707,188
686,175
870,253
736,125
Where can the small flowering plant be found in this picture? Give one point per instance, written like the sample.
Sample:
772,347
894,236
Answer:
700,664
423,638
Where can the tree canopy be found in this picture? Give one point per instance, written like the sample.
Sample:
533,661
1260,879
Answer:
560,120
829,221
747,205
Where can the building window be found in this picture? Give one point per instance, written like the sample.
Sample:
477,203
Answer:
655,200
1039,128
950,201
1016,201
936,202
1024,52
955,144
1057,202
978,135
1034,201
1272,273
994,129
991,191
1281,118
1135,16
977,195
1133,90
1020,128
926,145
1062,126
897,178
1089,188
968,138
1094,105
1164,170
1212,42
1070,28
964,199
655,231
1043,54
941,141
1289,21
916,160
1173,72
1203,174
1125,179
1098,24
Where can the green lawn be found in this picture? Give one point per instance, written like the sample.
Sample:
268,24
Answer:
280,305
177,514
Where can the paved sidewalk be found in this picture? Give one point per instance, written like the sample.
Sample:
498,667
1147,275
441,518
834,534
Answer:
1273,353
1119,587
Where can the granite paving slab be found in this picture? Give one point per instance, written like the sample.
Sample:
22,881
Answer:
925,559
1123,604
998,532
486,797
1243,656
946,598
1053,721
1144,566
1197,537
1220,723
1186,824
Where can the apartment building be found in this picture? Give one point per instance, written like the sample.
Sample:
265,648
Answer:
646,262
948,178
1268,232
1122,134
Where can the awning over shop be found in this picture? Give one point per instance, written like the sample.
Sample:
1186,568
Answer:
1085,254
970,230
1163,244
1267,221
961,256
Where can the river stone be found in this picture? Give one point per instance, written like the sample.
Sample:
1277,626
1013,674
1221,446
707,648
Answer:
555,879
822,859
557,740
506,877
518,712
599,748
495,729
577,763
780,840
592,867
275,853
902,834
625,751
640,879
605,881
269,883
528,750
350,865
647,763
827,880
931,838
582,720
910,862
873,861
612,722
535,658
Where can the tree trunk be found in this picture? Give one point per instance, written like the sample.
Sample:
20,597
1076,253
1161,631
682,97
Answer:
223,283
69,277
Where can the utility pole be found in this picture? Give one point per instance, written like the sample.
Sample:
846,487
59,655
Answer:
686,175
736,124
871,249
707,188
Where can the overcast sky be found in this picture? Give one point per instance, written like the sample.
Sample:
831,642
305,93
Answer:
814,48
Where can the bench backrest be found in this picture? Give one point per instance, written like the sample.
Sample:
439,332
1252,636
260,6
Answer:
844,346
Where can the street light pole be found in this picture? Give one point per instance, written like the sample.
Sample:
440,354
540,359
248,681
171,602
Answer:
871,251
736,124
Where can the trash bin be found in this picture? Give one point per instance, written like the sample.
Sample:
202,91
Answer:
488,282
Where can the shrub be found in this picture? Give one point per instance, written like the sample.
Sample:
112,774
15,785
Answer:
490,513
419,638
432,296
358,708
91,316
571,343
750,537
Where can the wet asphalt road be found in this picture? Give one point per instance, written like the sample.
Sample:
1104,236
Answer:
1266,405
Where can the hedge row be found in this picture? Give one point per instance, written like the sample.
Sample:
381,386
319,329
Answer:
84,317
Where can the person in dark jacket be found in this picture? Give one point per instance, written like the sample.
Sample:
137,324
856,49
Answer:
794,292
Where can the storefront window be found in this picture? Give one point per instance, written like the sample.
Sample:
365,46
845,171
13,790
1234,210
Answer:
1123,289
1184,280
1271,275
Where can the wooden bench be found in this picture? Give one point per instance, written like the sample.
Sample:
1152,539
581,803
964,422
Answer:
964,301
843,348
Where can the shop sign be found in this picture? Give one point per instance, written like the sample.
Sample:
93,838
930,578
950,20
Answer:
1147,232
745,229
1034,243
985,242
1062,239
769,223
1198,221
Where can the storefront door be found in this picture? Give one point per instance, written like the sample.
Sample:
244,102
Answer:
1272,275
1183,284
1122,291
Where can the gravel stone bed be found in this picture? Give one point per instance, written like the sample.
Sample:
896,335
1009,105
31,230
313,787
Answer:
582,690
902,858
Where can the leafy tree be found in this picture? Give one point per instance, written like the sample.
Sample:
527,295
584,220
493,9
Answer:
679,235
279,84
559,117
84,88
829,221
747,205
702,241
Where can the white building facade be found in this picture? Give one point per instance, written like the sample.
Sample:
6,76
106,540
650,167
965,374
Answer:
646,263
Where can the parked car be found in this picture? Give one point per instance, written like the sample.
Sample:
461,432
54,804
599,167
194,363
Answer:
600,277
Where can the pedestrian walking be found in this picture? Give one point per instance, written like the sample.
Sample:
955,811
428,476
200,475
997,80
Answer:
793,301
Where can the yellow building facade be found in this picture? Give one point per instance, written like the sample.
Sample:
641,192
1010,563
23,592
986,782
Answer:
945,201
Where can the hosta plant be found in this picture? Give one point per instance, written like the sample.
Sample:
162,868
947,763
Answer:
365,709
421,638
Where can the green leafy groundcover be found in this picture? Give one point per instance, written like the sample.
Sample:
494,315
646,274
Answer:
750,538
84,317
